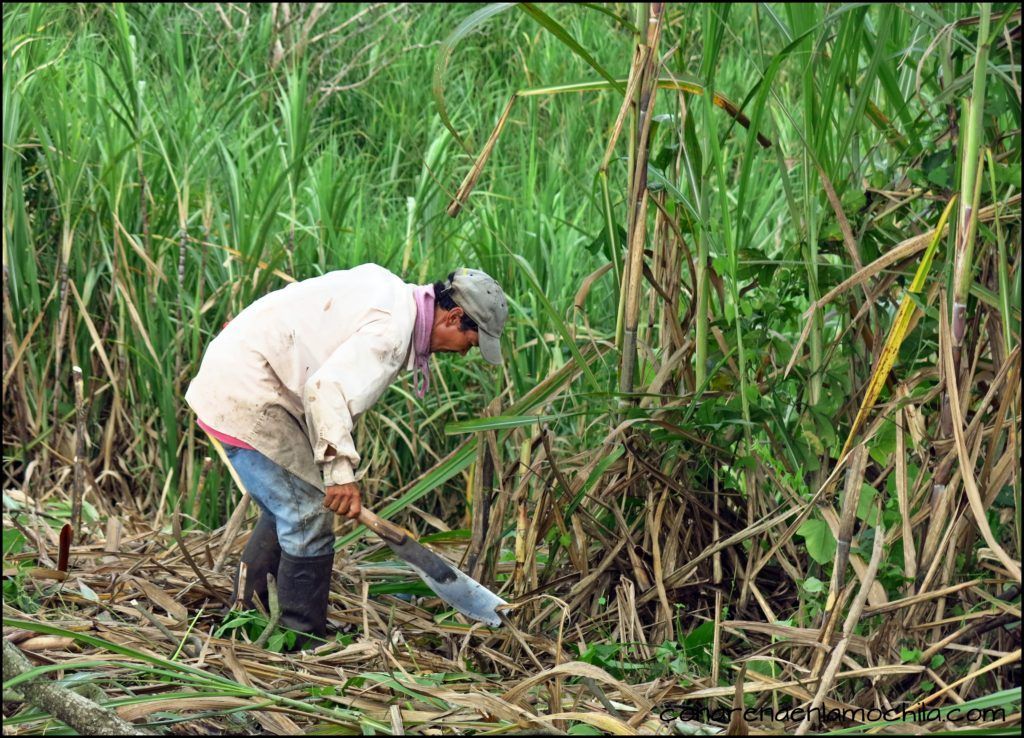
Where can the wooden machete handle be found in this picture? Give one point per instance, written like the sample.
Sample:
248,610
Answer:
384,529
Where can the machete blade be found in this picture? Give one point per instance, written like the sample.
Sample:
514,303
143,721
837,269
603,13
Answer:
463,593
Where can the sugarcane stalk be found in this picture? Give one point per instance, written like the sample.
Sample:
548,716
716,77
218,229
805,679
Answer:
638,197
700,370
182,251
816,341
79,471
967,224
519,572
1004,267
62,319
631,101
966,229
958,323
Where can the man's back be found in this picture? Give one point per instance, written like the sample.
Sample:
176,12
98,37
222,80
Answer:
255,372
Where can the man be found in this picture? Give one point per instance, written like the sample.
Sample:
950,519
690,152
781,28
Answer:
282,386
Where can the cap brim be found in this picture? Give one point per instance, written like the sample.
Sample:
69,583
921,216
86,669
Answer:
490,347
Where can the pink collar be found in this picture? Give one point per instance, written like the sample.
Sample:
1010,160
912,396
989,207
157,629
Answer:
424,297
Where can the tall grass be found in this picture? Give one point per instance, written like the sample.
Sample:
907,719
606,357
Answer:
158,177
153,158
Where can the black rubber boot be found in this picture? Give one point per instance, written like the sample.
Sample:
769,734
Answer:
262,555
303,585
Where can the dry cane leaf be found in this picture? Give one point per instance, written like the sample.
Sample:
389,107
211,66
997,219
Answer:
580,669
605,723
966,467
1011,658
158,597
46,643
184,704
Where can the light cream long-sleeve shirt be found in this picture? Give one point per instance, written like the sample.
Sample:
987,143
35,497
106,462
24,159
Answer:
292,372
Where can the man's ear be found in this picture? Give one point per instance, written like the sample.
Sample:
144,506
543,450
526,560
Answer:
454,316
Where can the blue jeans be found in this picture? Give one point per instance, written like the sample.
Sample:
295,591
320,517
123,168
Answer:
304,525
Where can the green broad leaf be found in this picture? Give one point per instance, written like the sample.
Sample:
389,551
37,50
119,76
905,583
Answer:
765,668
910,655
813,585
818,538
666,155
921,305
89,512
87,592
817,447
826,428
14,540
883,445
745,462
1005,498
853,200
941,177
1008,175
584,729
865,508
702,635
241,619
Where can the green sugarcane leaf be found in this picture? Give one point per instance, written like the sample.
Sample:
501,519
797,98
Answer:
467,26
566,38
501,422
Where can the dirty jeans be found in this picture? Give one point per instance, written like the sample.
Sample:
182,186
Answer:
304,525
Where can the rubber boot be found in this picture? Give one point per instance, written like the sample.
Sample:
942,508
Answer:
262,555
303,585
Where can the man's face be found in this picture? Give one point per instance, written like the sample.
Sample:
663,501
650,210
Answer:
446,336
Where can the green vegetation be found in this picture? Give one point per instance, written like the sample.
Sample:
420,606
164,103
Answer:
765,329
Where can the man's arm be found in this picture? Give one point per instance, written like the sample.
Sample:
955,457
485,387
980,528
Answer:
349,382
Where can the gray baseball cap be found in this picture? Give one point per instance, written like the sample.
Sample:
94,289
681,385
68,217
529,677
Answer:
482,300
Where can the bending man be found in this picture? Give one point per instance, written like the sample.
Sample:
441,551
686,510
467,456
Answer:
282,385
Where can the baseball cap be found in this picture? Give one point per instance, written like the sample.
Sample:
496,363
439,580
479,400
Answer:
482,300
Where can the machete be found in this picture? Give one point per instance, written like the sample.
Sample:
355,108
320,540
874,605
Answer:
463,593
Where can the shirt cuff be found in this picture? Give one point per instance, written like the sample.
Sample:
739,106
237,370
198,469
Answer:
338,471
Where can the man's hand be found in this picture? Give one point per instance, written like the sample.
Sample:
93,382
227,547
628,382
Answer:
343,499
